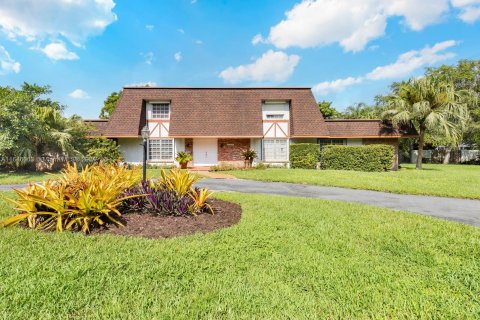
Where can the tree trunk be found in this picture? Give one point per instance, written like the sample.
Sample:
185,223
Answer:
446,158
421,142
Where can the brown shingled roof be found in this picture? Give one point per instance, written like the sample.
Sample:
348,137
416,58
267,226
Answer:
97,126
346,128
216,112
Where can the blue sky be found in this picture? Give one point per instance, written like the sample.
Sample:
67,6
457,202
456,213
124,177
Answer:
348,51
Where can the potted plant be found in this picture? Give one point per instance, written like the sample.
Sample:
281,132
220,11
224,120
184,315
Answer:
183,158
249,155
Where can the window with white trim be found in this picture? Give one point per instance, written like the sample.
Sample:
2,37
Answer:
329,142
160,111
160,149
275,150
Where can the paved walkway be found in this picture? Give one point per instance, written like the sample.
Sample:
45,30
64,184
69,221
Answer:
461,210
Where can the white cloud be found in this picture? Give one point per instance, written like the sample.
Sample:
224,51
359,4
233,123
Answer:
149,27
142,84
198,42
352,24
271,66
7,64
149,57
79,94
469,10
404,66
178,56
335,85
58,51
75,20
257,39
181,31
413,60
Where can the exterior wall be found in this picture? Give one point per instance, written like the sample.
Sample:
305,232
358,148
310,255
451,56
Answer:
276,128
256,144
354,142
230,150
132,149
392,142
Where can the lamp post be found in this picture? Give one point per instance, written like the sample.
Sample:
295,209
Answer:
145,132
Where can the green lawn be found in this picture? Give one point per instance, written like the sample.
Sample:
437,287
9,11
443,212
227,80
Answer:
459,181
287,258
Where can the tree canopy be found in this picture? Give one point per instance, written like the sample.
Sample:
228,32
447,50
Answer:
109,105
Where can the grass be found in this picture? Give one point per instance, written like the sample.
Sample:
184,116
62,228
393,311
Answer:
287,258
458,181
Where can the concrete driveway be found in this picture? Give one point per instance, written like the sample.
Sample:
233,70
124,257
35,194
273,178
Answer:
460,210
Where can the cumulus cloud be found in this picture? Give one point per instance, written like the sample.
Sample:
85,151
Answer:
58,51
469,10
178,56
75,20
257,39
79,94
404,66
271,66
7,64
352,24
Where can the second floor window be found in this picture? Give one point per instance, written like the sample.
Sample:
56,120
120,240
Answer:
160,111
275,116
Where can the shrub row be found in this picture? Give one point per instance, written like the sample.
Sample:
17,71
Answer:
304,155
378,157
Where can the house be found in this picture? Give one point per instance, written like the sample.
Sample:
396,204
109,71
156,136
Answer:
216,124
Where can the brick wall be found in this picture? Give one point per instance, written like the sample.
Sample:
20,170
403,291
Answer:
231,149
391,142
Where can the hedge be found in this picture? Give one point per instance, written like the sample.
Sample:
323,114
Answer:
304,155
377,157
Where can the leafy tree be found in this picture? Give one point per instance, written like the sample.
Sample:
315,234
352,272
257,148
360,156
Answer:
363,111
109,105
430,104
105,150
327,110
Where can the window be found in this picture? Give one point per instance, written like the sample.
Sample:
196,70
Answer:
160,149
160,110
275,150
327,142
274,116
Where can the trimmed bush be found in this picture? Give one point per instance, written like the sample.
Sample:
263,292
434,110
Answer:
304,155
376,157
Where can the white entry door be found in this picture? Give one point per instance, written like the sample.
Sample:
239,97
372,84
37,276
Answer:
205,152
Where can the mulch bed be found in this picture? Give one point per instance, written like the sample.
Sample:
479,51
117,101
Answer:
154,226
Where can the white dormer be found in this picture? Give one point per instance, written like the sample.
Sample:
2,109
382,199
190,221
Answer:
276,119
276,110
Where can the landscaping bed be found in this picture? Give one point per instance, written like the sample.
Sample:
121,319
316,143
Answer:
152,226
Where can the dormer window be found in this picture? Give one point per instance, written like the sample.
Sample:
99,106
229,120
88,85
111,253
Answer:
160,110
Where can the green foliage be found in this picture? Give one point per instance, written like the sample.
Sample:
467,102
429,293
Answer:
183,157
223,166
304,155
32,126
109,105
260,166
104,150
363,111
78,200
432,105
358,158
327,110
249,154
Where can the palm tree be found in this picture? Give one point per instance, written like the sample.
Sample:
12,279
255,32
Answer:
431,105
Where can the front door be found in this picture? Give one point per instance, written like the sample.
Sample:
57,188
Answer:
204,152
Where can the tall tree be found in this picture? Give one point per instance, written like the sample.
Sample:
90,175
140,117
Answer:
430,104
363,111
327,110
109,105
